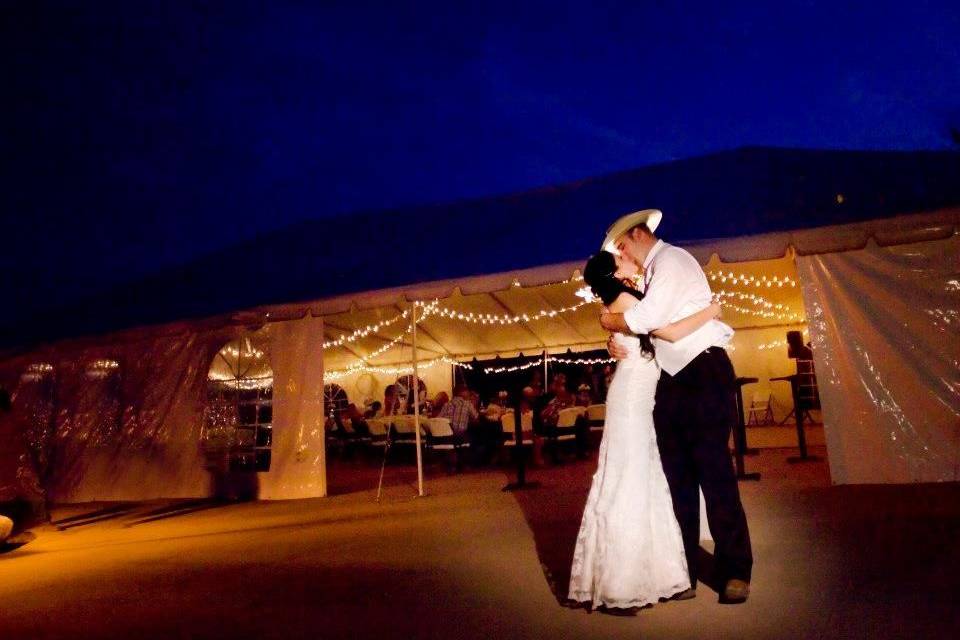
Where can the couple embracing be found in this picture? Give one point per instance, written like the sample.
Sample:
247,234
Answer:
670,410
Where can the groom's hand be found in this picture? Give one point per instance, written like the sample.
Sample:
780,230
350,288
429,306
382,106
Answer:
615,349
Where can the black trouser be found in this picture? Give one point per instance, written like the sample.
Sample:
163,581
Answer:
694,413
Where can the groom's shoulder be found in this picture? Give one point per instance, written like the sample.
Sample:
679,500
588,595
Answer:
679,254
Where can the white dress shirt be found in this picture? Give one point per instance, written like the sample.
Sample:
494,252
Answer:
674,288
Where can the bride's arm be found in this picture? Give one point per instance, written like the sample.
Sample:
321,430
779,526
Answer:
685,326
623,302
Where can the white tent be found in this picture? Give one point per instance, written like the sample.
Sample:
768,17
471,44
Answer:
879,298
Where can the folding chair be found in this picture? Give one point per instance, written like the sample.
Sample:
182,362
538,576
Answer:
509,430
441,437
379,432
597,415
759,413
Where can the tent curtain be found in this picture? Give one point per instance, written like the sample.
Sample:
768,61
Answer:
298,469
117,421
885,330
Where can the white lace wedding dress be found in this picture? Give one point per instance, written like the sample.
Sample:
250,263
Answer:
629,550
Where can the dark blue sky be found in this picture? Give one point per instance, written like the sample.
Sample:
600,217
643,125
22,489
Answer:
142,134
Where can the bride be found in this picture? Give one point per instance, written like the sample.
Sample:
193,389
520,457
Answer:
629,551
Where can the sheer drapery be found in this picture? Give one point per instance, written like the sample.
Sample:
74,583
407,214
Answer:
121,418
885,330
298,469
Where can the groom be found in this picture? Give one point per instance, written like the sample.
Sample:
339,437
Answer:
695,403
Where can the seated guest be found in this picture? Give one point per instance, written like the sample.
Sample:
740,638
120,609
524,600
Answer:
528,404
529,400
595,378
559,398
391,401
497,407
439,402
584,398
330,425
375,410
608,376
536,383
460,410
357,421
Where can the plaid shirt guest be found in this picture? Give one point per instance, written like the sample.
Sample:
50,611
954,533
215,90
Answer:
460,412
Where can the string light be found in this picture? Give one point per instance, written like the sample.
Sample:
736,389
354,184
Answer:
767,309
241,383
758,300
772,345
787,317
539,361
99,369
398,370
505,319
105,365
762,281
428,310
233,352
776,344
519,367
945,316
37,371
365,331
386,347
583,360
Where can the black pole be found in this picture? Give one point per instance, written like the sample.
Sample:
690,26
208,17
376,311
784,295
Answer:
740,434
518,452
518,443
798,413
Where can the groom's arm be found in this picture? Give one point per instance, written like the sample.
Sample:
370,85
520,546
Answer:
614,322
662,300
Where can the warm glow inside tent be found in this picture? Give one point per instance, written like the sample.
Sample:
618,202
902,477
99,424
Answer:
761,299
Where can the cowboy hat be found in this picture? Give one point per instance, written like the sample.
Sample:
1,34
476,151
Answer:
651,217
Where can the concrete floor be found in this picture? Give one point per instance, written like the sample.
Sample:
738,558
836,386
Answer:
470,561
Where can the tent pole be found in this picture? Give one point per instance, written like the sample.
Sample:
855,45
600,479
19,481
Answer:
415,384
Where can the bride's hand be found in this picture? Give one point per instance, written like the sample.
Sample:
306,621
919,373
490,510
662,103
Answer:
717,309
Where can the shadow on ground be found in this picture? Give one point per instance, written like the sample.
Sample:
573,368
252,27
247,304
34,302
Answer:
99,515
881,542
179,508
553,508
15,542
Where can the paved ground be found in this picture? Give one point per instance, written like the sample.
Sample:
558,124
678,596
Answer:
470,561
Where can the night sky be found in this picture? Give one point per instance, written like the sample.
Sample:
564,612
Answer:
138,135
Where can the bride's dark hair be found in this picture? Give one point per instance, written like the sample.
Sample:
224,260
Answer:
599,275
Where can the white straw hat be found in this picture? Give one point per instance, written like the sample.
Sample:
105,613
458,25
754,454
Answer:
651,217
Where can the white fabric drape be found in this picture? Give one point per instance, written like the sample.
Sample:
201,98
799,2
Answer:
298,468
135,440
885,328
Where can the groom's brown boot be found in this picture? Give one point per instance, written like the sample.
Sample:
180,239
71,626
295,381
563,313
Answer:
686,594
736,591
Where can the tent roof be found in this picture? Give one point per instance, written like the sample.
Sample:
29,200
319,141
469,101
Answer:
355,261
441,336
